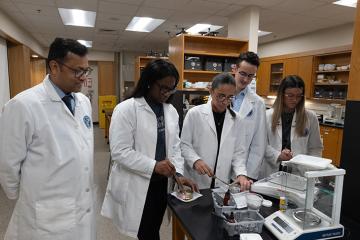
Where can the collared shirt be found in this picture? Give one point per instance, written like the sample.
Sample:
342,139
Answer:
239,98
62,94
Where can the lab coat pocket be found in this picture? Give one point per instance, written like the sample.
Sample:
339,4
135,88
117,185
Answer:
55,216
118,185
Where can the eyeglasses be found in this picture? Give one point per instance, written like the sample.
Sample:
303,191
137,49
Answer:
222,98
78,72
166,89
246,75
293,96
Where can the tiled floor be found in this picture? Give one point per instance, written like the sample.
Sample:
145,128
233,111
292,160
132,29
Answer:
105,229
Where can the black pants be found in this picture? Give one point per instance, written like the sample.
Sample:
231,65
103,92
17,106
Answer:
154,210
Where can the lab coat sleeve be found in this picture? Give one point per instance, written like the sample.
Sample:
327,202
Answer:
238,163
122,141
315,145
258,143
177,158
17,127
271,153
187,138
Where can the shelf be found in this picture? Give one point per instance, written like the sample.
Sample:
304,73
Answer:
204,72
334,71
330,84
329,100
276,72
275,84
214,54
194,90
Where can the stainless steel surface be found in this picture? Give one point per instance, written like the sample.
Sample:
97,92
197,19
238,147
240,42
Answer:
306,217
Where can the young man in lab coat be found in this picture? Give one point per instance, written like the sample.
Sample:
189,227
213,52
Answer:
251,108
46,152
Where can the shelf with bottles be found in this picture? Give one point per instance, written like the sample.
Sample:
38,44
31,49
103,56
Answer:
141,62
331,75
276,75
200,58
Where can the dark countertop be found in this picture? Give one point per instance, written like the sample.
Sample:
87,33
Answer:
201,224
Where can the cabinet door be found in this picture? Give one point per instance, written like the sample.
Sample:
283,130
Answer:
305,72
339,147
330,138
262,79
276,74
291,66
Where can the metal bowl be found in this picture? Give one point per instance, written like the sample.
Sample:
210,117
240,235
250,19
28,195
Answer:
311,218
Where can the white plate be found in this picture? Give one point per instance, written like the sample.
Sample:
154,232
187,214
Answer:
196,195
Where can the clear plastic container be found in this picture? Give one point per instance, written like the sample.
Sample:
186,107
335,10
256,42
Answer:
247,221
218,198
254,201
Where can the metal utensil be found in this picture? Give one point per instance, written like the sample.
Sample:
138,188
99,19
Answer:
228,184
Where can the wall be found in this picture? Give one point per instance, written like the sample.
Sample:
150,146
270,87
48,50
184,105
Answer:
12,30
327,38
100,56
4,75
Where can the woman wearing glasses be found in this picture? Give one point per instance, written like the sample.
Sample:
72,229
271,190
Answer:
145,146
291,128
212,138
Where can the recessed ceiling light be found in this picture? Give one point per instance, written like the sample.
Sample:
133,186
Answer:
34,56
77,17
144,24
202,27
263,33
85,43
347,3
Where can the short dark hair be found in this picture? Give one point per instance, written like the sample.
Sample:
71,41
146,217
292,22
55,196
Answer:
154,71
60,47
222,78
249,57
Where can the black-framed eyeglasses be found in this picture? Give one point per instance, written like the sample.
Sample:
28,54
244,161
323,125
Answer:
293,96
166,89
246,75
78,72
222,97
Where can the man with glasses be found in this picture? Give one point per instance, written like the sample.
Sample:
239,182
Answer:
46,152
251,108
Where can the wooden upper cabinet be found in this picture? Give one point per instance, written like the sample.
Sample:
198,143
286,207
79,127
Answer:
305,69
262,79
291,66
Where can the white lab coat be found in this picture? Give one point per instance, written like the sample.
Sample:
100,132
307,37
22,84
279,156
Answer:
46,161
310,144
133,134
199,141
252,112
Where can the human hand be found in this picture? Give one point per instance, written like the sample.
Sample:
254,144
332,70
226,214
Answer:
202,168
165,168
285,155
244,182
188,182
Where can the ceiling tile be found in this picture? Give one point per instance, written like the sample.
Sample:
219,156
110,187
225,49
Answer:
116,18
167,4
37,2
229,10
330,11
8,7
36,9
133,2
217,20
154,12
200,6
117,8
88,5
110,25
296,6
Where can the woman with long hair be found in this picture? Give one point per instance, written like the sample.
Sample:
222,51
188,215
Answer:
213,138
291,128
145,146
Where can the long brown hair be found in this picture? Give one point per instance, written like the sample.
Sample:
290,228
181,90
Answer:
290,81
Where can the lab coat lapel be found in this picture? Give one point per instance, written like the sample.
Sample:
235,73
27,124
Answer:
293,127
210,117
227,126
246,106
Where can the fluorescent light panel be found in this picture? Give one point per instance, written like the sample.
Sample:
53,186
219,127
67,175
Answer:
85,43
202,27
347,3
77,17
263,33
144,24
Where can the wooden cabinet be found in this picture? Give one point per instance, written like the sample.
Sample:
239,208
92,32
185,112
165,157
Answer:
305,70
331,76
332,141
206,48
141,62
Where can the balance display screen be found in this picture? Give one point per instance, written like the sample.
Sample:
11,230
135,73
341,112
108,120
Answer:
283,224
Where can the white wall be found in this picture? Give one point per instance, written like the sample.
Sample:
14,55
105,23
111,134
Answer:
101,56
11,29
4,75
322,39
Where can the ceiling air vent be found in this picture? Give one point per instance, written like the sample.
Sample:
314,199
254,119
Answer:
106,30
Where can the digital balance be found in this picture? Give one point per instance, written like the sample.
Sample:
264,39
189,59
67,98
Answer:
314,198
